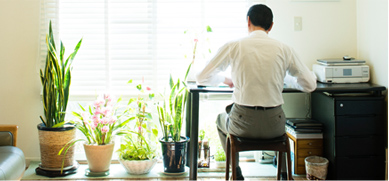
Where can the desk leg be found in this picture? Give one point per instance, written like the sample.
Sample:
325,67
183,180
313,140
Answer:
194,131
188,121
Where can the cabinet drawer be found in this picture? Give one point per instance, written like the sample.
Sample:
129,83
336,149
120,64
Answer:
302,153
300,170
301,160
360,168
359,107
360,146
360,125
311,143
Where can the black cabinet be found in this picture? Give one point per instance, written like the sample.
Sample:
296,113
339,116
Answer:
355,134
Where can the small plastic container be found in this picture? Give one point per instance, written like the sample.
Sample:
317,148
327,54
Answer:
316,167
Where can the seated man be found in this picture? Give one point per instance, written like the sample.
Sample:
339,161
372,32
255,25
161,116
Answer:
259,65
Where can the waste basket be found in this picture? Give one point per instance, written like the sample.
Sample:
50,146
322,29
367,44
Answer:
316,167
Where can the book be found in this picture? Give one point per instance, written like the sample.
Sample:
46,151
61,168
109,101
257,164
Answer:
303,135
303,122
302,130
306,127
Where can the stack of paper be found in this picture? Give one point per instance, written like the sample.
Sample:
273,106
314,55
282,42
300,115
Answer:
304,128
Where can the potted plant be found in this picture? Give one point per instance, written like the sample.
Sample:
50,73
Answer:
220,157
203,157
171,115
138,153
53,132
99,123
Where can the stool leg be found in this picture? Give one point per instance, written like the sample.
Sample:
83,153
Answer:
289,161
233,161
228,158
279,164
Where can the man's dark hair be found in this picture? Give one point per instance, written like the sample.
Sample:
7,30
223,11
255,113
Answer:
260,15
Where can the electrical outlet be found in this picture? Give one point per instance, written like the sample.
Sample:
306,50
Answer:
298,23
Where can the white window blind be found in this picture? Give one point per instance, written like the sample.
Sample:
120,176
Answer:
139,39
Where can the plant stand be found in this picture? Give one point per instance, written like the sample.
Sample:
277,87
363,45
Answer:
57,173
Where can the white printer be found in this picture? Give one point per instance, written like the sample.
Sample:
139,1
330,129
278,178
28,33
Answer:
346,70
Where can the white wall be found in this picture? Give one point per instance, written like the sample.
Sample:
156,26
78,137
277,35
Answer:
329,30
372,37
20,86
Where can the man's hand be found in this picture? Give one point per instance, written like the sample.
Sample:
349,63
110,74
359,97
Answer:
228,81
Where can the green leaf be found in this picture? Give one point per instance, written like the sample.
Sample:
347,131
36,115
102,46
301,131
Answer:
187,71
148,116
139,87
61,54
69,60
131,100
209,29
155,132
58,125
130,81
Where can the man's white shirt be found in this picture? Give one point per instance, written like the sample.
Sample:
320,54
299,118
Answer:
259,65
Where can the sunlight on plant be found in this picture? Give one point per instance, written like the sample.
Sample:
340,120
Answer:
56,80
139,142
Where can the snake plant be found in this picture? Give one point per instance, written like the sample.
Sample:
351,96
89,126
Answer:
171,113
55,80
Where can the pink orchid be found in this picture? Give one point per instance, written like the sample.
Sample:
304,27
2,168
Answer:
105,129
108,98
94,125
148,88
96,119
98,103
98,111
85,116
113,120
106,111
105,120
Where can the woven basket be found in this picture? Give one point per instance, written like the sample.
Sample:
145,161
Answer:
51,142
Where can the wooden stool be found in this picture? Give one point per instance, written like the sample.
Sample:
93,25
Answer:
236,144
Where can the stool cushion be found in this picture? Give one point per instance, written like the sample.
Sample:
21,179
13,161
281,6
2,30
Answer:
259,141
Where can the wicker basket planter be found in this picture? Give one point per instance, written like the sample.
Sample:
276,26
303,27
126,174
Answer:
51,141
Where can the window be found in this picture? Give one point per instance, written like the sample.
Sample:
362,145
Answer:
138,39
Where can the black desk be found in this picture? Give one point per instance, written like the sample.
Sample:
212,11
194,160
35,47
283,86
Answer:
192,110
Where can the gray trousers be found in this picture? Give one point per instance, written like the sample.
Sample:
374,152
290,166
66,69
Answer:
250,123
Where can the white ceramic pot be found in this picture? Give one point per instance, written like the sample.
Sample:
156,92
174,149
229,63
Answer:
99,157
137,167
220,164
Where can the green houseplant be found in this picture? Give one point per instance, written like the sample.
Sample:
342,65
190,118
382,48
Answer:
220,157
99,123
53,132
138,153
171,116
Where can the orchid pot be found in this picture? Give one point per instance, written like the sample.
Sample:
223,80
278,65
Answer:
99,156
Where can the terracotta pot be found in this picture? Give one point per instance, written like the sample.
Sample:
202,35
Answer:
51,141
137,167
99,157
